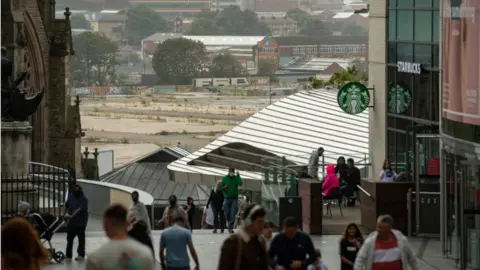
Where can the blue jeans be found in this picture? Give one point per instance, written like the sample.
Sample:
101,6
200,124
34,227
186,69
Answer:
230,208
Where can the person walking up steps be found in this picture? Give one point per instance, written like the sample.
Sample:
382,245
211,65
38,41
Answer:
215,202
76,208
176,239
229,185
121,251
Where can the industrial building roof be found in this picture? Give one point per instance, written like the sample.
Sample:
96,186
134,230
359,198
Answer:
325,40
346,15
209,40
317,63
292,127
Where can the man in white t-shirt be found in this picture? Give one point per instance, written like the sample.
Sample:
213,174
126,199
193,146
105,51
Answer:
121,252
208,218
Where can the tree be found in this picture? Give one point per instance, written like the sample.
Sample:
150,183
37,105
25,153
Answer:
231,20
353,29
204,26
226,65
307,25
79,22
142,22
179,60
352,74
94,61
266,67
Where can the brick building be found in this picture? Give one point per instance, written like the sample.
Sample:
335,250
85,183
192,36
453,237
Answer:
285,49
41,45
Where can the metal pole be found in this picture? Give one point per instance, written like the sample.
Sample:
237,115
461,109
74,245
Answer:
409,212
270,91
417,187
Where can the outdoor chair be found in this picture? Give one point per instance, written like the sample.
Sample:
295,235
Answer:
331,201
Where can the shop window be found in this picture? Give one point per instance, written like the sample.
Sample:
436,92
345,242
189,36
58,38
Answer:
405,3
423,54
406,80
435,53
405,52
405,23
422,102
436,22
392,25
392,3
435,97
424,3
423,25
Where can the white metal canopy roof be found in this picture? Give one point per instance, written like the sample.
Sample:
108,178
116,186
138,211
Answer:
292,127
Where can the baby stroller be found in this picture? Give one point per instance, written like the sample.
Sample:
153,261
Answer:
47,225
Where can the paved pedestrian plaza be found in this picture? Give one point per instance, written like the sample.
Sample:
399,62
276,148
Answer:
208,249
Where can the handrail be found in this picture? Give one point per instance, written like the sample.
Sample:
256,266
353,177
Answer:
364,191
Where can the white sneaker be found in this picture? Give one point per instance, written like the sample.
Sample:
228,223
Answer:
80,258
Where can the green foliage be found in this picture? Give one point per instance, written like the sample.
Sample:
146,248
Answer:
79,22
307,25
142,22
94,61
352,29
231,20
266,67
352,74
226,65
179,60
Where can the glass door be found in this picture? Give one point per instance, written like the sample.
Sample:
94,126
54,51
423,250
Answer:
470,215
427,185
452,206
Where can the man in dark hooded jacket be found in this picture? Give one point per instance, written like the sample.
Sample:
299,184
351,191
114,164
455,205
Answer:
76,209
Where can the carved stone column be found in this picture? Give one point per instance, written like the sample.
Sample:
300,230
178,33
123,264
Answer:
16,185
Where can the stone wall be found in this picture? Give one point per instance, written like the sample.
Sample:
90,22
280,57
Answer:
41,45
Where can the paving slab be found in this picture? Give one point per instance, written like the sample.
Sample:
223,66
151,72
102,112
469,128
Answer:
208,246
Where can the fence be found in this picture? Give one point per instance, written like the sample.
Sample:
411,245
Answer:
44,187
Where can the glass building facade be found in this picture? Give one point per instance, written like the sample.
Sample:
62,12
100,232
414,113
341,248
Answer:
433,120
460,131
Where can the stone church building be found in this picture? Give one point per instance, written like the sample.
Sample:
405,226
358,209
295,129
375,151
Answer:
42,45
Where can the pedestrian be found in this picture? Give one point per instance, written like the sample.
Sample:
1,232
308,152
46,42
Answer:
215,203
291,249
171,211
385,249
190,208
121,251
341,168
139,212
313,162
21,248
350,244
76,211
331,183
229,185
353,180
387,174
208,220
246,248
176,239
269,231
23,209
318,265
139,232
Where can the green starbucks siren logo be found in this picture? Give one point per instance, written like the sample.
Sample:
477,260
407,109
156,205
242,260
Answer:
399,98
353,98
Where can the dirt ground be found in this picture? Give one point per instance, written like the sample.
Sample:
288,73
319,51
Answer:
191,120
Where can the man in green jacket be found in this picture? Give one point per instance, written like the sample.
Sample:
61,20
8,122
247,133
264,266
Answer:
229,186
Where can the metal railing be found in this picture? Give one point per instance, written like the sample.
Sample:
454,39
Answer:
44,187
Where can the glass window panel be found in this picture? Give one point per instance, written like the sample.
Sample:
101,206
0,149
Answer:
436,3
392,3
423,3
405,23
405,3
423,54
435,96
392,52
423,25
436,22
422,103
435,52
392,25
406,79
405,52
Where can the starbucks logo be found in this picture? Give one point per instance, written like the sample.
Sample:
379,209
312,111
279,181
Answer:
353,98
399,98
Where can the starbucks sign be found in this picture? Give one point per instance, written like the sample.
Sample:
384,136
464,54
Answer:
399,98
353,98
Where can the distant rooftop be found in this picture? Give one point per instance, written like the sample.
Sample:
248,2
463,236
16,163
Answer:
318,63
346,15
209,40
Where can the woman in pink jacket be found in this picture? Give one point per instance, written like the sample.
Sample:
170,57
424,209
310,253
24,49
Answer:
331,183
